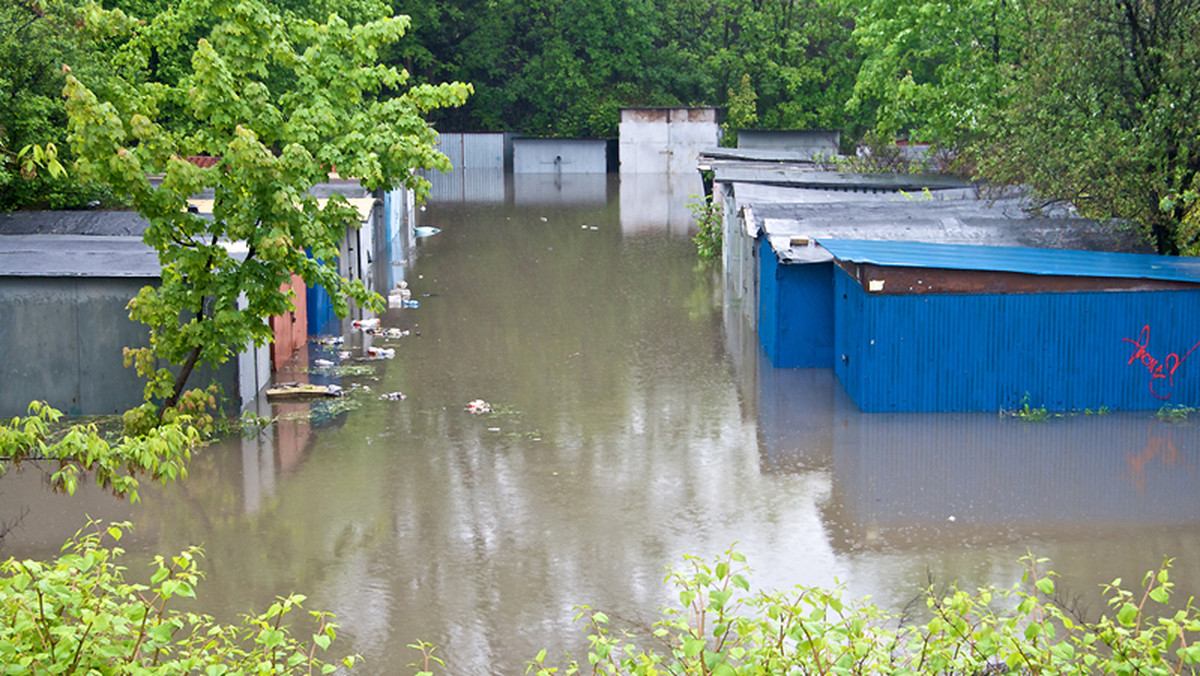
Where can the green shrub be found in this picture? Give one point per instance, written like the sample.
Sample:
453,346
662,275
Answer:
708,216
723,628
77,614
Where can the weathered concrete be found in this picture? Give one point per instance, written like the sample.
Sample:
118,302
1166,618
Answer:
665,140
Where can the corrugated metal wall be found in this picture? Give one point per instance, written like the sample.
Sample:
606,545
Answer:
1067,351
795,322
559,156
473,150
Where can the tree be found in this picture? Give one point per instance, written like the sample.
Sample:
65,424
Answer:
1088,104
937,71
281,104
36,40
1103,116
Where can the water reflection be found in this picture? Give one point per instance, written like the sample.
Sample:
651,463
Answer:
634,423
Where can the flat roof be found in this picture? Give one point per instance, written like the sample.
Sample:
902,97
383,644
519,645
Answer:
801,176
106,222
1023,260
790,218
94,243
77,256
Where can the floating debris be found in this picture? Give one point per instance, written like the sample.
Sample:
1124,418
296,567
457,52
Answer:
394,333
426,231
331,341
300,391
479,406
411,304
380,353
322,363
398,295
366,324
392,396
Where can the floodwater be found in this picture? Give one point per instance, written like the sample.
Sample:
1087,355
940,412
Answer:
635,421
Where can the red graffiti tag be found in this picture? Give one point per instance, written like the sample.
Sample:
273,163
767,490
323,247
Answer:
1162,372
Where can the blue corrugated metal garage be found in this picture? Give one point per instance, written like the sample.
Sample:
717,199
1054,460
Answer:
795,320
938,327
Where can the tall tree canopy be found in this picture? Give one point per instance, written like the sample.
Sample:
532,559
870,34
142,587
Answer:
281,103
1091,104
1103,115
37,38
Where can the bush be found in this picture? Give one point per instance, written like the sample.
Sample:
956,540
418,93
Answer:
77,614
708,216
722,628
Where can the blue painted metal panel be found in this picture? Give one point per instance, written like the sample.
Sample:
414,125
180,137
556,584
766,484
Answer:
1065,351
795,322
1015,259
768,301
319,306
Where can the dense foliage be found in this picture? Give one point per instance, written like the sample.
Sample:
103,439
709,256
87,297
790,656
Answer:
280,102
723,628
78,614
37,39
1088,104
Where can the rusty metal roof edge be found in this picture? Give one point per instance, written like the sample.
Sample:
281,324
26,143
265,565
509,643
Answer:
1033,261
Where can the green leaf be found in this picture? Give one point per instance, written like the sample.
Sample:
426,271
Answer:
1045,585
1128,614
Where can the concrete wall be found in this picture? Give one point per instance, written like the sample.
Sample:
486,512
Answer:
665,140
61,341
559,156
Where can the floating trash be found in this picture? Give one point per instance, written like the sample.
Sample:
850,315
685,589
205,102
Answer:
392,396
479,406
343,354
380,353
410,303
322,363
366,324
394,333
398,295
425,231
332,341
301,391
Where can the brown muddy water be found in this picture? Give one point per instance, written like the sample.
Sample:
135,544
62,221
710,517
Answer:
635,422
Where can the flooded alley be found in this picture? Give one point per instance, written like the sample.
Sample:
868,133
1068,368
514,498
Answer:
634,420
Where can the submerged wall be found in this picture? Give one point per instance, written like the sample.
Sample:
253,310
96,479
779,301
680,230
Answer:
795,323
61,341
